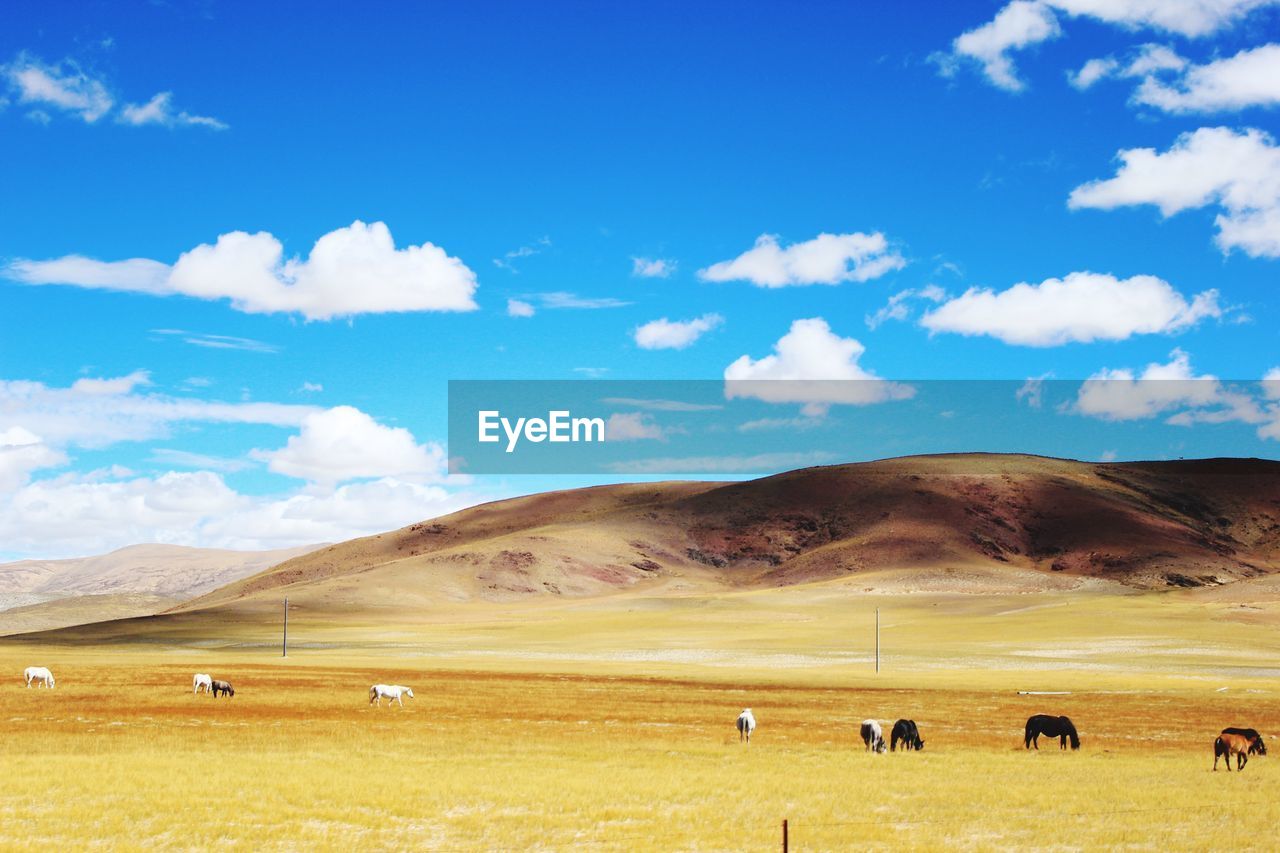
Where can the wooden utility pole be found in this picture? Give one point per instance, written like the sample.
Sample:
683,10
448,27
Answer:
284,640
784,835
877,639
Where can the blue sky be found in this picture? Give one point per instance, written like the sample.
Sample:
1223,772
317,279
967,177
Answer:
600,169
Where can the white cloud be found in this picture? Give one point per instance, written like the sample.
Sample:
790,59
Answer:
96,413
1250,78
1024,23
561,299
652,267
899,305
1238,171
1092,71
77,515
519,308
159,110
311,388
788,424
352,270
1031,391
508,260
814,366
1120,395
63,86
67,88
21,453
1080,307
632,426
662,405
137,275
1018,25
1271,384
209,341
680,334
826,259
344,443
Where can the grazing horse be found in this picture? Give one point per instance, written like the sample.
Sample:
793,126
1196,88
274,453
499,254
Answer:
1256,747
746,725
872,736
1230,744
38,673
378,692
1060,727
223,687
905,731
202,681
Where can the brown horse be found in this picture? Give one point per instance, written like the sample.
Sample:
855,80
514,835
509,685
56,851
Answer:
1229,745
223,687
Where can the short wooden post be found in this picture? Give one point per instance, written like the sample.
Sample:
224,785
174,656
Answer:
877,639
284,639
784,835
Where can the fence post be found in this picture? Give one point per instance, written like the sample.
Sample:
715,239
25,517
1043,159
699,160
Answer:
784,835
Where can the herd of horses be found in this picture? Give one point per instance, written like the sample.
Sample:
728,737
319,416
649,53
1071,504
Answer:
1237,743
1233,742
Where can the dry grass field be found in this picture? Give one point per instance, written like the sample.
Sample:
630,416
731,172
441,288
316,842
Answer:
608,724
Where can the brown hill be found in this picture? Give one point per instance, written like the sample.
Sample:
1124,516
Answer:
1147,525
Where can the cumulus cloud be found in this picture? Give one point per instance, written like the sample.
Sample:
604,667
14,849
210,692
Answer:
1236,171
344,443
76,515
159,110
652,267
814,366
826,259
21,453
1024,23
352,270
1174,391
1122,395
1079,308
1248,79
679,334
1018,25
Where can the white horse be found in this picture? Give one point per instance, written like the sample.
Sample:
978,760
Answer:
746,725
38,673
202,681
378,692
873,736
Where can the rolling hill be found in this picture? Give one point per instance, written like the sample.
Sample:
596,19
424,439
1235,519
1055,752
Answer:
967,522
132,581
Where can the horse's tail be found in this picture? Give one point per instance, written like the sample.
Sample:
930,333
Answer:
1073,735
1028,734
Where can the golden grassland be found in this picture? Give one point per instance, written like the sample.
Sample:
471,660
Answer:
609,725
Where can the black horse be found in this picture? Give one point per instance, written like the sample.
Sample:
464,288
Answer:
223,687
1059,727
905,731
1256,746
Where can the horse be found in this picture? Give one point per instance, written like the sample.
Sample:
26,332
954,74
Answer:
1229,745
746,725
1256,747
38,673
223,687
1060,727
872,736
202,681
378,692
905,731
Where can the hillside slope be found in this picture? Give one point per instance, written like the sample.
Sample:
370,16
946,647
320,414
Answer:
1146,525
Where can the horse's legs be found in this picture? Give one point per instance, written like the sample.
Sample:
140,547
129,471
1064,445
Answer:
400,701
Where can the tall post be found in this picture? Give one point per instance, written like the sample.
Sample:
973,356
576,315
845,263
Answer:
784,835
284,640
877,639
